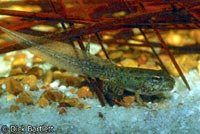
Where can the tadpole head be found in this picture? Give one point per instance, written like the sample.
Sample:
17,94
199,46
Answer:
157,84
149,82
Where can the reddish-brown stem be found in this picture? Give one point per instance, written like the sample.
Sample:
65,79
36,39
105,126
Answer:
170,55
43,16
152,48
97,86
103,48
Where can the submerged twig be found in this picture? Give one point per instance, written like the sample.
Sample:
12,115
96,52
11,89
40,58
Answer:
152,48
170,55
103,48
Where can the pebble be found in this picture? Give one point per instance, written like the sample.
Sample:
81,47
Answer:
16,71
34,88
73,102
13,86
186,63
62,111
150,66
116,55
195,34
142,59
36,71
107,37
128,56
48,77
14,108
43,102
19,77
127,101
174,39
24,98
8,57
10,97
19,60
53,95
37,60
84,92
2,80
66,78
129,63
31,80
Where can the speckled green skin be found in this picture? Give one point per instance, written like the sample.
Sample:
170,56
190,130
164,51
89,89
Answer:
116,79
139,81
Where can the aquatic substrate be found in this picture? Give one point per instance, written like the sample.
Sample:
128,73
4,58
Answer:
179,113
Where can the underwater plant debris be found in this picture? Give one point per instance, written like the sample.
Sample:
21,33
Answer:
38,97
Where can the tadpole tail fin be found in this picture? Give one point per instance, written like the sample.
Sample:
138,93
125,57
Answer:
19,38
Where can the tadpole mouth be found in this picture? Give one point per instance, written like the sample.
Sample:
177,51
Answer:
170,82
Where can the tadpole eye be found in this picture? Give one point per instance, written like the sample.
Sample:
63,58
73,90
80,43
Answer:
156,79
